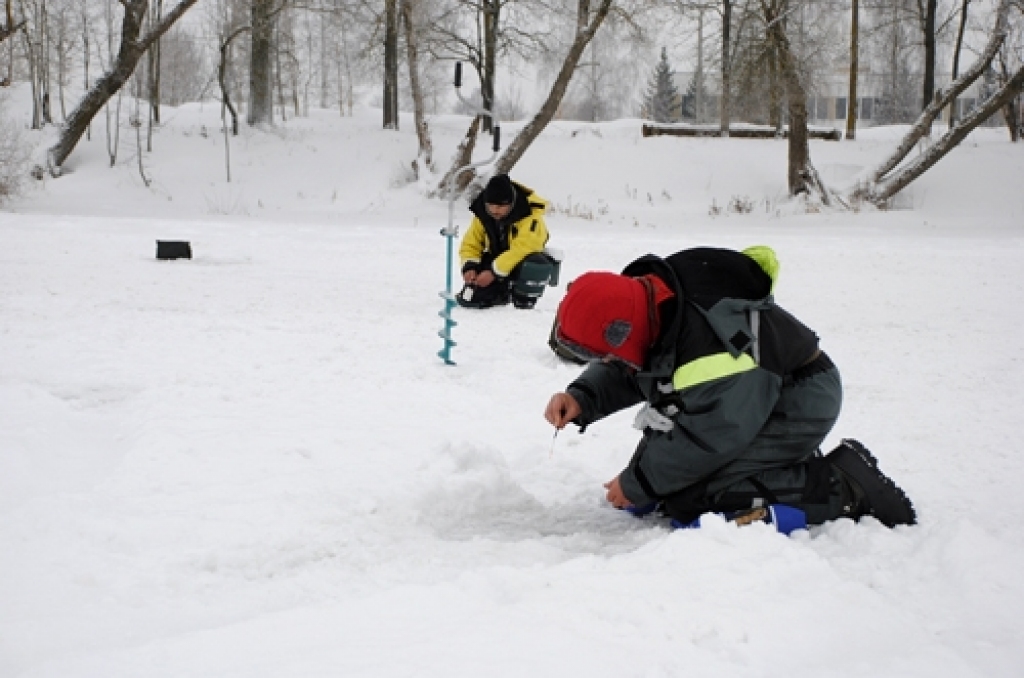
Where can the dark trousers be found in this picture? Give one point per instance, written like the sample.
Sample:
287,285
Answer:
500,291
783,463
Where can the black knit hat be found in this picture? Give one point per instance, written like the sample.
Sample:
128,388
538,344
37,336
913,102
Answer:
499,191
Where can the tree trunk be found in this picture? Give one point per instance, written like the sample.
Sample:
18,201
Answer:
222,68
154,66
799,150
851,104
114,136
1010,106
491,10
33,67
463,157
87,51
345,93
587,23
276,83
775,93
131,50
698,77
723,125
62,62
10,28
956,56
425,157
324,70
261,65
801,175
391,64
44,64
6,31
1011,113
929,53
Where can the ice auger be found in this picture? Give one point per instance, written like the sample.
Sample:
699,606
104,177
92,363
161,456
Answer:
451,231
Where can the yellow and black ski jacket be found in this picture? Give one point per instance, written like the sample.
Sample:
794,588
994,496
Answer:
509,241
717,371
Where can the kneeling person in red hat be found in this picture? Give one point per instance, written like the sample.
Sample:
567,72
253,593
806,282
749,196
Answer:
737,396
503,250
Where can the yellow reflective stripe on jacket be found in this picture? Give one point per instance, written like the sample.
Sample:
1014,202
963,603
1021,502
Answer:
709,368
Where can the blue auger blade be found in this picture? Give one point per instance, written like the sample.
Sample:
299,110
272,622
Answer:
447,337
444,313
448,296
443,355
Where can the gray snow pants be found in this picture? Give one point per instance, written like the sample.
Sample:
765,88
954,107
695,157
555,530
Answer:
783,463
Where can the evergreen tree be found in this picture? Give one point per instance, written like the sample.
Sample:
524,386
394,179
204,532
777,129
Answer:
691,100
660,103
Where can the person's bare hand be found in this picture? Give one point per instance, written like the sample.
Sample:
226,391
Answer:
561,409
468,277
484,278
615,495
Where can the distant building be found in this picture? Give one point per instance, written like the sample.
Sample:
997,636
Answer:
828,103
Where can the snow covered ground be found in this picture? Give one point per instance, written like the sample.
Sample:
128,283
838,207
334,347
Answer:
253,463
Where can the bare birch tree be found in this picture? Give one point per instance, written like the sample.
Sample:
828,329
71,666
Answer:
726,93
34,34
927,12
390,107
964,5
153,66
261,70
425,157
222,74
9,28
851,106
1008,59
478,32
588,20
133,45
890,177
801,175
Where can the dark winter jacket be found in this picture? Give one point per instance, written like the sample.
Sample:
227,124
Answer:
716,370
509,241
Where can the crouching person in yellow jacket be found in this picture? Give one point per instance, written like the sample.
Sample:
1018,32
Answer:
502,252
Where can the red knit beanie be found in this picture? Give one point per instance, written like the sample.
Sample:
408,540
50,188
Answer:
605,314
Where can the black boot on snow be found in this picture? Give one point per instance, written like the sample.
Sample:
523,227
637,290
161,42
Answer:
472,296
465,298
523,301
874,493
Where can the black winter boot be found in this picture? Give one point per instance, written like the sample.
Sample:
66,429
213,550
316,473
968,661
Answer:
471,296
523,301
872,493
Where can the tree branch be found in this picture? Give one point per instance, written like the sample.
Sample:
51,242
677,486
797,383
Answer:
885,190
942,99
130,52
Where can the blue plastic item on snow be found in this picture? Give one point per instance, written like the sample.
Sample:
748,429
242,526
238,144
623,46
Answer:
786,519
